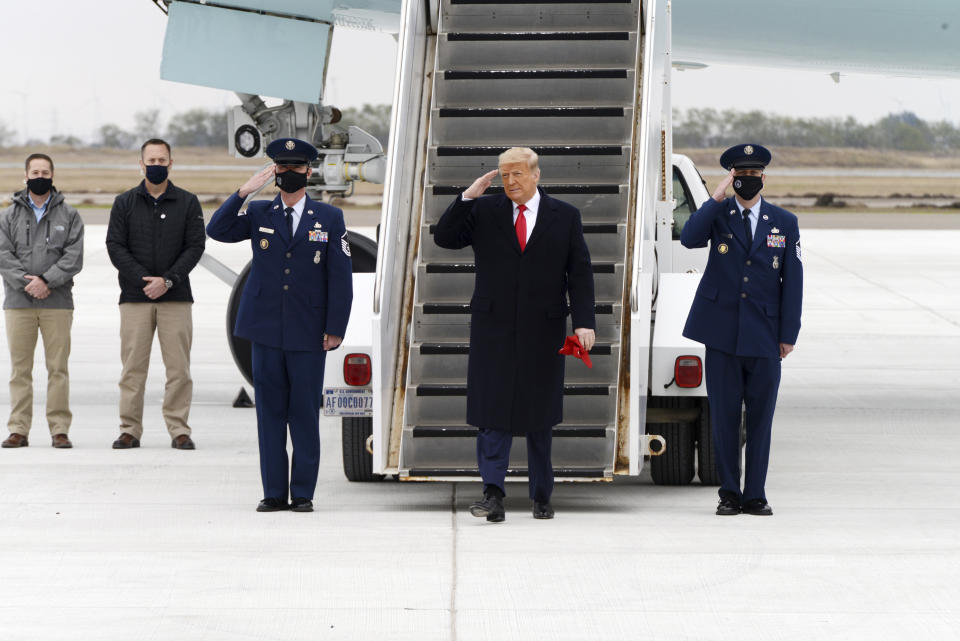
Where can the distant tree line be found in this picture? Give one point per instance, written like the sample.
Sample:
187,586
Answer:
903,131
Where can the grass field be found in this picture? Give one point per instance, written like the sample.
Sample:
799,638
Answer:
90,175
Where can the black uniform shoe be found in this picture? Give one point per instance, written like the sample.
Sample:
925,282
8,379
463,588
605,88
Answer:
301,505
757,507
125,442
542,510
490,507
728,507
272,505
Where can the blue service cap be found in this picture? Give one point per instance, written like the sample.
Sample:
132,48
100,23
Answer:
750,156
292,151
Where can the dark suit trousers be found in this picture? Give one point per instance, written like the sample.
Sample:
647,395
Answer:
493,457
289,392
734,381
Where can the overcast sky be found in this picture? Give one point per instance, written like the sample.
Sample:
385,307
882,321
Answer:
70,66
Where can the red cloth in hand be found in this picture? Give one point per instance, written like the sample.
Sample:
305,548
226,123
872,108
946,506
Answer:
572,347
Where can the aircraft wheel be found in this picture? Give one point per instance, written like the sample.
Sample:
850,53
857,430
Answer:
357,461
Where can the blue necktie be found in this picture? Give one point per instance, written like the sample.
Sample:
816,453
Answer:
289,213
746,226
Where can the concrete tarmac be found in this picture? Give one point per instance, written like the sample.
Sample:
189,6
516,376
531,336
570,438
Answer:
160,544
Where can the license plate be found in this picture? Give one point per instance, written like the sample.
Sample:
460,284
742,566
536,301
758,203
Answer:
347,401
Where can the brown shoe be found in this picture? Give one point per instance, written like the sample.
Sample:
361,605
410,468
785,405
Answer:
183,442
62,441
125,442
15,440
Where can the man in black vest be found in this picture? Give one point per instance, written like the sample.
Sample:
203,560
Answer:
530,254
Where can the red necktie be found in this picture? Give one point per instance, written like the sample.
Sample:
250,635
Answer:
521,226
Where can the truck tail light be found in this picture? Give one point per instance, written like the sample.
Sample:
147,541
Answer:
356,369
688,371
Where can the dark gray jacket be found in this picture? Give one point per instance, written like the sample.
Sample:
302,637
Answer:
51,248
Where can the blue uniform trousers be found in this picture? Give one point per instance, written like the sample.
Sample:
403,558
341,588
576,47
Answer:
493,456
734,381
289,391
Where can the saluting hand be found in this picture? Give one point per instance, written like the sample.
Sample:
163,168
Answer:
480,185
257,181
587,337
720,193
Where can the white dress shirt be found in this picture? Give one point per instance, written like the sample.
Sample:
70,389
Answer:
532,205
297,211
754,215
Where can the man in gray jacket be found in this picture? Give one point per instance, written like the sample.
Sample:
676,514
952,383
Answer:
41,250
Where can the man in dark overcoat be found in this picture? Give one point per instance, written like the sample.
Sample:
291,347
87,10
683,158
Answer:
747,314
530,257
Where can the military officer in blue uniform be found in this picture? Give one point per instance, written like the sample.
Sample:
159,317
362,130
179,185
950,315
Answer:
747,313
294,308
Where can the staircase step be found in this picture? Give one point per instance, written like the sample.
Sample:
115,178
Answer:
436,363
434,405
469,431
606,242
466,50
542,14
559,473
449,282
530,126
567,164
541,87
597,202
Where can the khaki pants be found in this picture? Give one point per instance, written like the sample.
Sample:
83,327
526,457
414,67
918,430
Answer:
54,326
174,327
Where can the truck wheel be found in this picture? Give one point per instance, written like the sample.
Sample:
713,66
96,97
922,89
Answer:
675,465
357,462
706,457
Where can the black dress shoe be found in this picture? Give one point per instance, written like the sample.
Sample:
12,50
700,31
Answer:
757,507
542,510
272,505
301,505
490,507
125,442
183,442
728,507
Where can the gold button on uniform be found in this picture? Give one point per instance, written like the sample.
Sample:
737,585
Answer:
289,255
286,271
748,263
286,287
743,295
746,279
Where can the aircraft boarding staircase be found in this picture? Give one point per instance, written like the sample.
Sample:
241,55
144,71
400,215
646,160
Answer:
559,77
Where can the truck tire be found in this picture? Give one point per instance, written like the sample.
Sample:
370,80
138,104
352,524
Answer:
675,465
357,462
706,457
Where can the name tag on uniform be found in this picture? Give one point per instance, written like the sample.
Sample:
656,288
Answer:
266,230
317,236
776,240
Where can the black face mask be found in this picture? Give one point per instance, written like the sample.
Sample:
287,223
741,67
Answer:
291,181
747,186
39,186
156,173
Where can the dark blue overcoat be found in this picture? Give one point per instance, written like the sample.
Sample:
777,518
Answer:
519,308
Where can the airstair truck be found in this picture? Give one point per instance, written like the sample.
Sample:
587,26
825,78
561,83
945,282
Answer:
586,85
